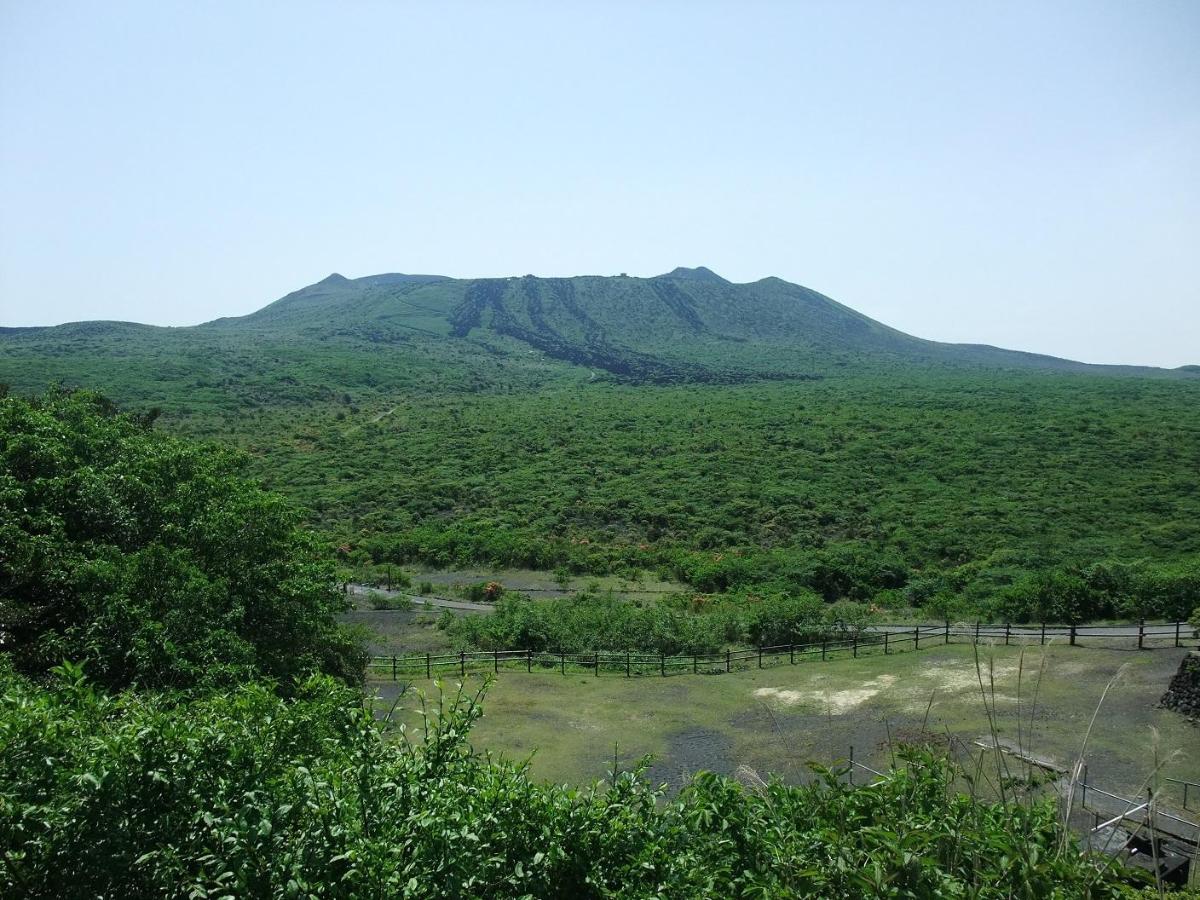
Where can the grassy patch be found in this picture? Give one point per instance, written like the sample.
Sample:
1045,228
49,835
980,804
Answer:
776,719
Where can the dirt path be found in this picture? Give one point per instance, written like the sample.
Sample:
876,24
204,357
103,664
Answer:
361,590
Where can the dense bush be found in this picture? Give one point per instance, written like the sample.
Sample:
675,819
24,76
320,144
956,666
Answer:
246,794
1105,590
848,488
152,559
590,622
380,600
784,619
683,625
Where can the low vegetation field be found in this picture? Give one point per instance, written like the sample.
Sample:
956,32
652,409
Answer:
776,720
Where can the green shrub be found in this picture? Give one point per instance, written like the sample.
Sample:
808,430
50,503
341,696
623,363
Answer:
246,794
380,600
785,619
1103,590
945,606
890,599
589,622
849,617
482,592
695,624
153,559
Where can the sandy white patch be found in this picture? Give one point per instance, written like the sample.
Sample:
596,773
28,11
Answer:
835,702
960,677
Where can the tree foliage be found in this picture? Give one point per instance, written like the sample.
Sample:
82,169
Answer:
697,624
246,794
152,559
1105,590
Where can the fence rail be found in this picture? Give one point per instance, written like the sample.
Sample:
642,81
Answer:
882,639
1109,810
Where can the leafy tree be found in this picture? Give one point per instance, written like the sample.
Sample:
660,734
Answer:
1174,589
588,622
945,606
1053,596
785,619
152,559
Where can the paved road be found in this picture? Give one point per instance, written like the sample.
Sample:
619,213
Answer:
360,590
1159,629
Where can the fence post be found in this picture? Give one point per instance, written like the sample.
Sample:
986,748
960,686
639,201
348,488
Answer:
529,660
917,638
1176,634
976,631
1007,633
728,660
851,772
496,661
824,639
885,643
1072,634
662,664
562,661
760,657
1083,784
855,645
695,664
628,674
596,661
1141,633
428,666
792,654
947,631
1043,634
393,668
462,662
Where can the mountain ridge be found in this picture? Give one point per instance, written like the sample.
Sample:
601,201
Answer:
566,316
412,332
336,286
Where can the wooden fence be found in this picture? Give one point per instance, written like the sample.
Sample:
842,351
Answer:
883,639
1101,816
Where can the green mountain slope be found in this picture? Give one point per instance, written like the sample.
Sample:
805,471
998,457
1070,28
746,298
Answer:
421,332
689,324
732,435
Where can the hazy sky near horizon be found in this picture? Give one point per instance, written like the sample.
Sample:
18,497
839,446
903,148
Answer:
1024,174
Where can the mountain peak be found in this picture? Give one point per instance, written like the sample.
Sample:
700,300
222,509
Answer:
700,273
332,280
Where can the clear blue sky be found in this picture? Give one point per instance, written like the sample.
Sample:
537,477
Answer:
1022,174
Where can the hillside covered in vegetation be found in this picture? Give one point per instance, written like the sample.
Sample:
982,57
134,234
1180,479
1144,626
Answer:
756,438
193,741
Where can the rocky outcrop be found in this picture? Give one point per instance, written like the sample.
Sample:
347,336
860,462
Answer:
1183,694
